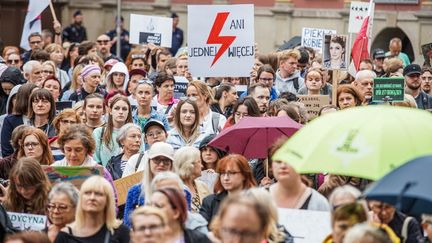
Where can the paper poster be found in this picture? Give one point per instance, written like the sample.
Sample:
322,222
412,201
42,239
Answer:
314,38
73,174
221,40
28,222
358,11
305,226
150,29
388,89
314,103
335,53
122,185
180,86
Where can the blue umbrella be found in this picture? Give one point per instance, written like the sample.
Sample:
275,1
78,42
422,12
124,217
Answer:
408,187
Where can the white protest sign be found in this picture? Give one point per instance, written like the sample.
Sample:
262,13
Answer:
314,38
180,86
26,222
358,11
305,225
221,40
150,29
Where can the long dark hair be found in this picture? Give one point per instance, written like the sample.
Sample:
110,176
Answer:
252,107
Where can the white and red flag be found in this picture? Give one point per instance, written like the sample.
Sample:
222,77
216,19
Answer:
32,21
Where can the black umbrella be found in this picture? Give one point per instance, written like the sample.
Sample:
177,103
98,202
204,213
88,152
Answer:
293,42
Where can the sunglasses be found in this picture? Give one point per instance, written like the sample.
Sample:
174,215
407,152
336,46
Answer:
12,61
136,56
102,41
145,81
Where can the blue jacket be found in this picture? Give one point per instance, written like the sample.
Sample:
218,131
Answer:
9,124
177,141
153,115
273,94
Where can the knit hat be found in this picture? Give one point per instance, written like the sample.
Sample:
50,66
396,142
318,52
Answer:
89,70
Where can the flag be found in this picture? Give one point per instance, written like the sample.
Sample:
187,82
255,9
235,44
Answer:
362,43
32,21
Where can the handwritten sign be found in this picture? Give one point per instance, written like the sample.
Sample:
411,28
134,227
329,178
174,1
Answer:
73,174
314,103
358,11
221,40
388,89
150,29
28,222
180,86
305,225
122,185
314,38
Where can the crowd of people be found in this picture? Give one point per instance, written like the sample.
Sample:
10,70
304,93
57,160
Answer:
69,101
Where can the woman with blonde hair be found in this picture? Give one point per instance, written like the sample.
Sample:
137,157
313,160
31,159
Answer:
56,55
152,218
95,218
75,83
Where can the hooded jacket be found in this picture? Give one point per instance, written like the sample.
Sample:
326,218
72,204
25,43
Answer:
117,68
9,75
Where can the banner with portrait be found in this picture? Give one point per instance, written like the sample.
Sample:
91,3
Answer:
335,54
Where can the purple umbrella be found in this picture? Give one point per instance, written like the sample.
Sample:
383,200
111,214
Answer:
252,136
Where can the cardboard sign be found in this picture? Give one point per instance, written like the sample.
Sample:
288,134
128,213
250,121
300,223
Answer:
305,225
335,53
180,86
314,103
150,29
358,11
28,222
314,38
73,174
122,185
427,53
388,89
221,40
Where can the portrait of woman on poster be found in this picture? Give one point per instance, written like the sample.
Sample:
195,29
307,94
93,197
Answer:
334,51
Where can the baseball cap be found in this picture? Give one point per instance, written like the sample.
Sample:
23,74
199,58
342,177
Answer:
153,122
161,149
137,71
378,53
412,69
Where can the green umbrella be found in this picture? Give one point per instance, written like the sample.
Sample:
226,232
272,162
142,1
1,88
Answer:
365,142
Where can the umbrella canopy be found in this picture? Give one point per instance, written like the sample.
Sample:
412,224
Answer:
252,136
366,142
407,187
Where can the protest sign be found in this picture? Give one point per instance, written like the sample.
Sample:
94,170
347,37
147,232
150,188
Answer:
305,225
122,185
313,103
28,222
61,105
180,86
221,40
334,52
427,53
241,89
314,38
73,174
358,11
388,89
150,29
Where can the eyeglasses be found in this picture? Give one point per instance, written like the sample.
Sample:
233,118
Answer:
247,236
164,161
61,207
33,145
155,134
150,228
13,61
229,173
102,42
47,71
68,122
44,101
145,81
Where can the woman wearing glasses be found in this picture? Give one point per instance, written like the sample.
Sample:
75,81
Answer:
28,188
149,224
42,111
61,122
160,159
34,144
187,130
62,202
246,106
235,175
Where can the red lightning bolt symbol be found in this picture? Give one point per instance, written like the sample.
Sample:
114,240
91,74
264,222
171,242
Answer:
214,37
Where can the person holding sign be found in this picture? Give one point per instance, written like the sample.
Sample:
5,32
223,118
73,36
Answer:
335,52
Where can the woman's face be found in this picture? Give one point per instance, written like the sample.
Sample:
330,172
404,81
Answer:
25,191
93,200
138,64
209,155
75,152
241,224
231,178
346,100
61,210
155,134
284,172
47,70
200,99
32,147
94,109
314,81
231,96
57,56
66,122
196,170
336,51
74,53
241,112
166,90
119,112
118,79
160,164
148,229
53,87
187,115
144,94
159,200
93,80
132,141
235,80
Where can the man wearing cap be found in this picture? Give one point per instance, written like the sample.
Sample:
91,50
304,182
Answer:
177,35
378,56
91,77
426,79
75,32
412,74
364,80
103,44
